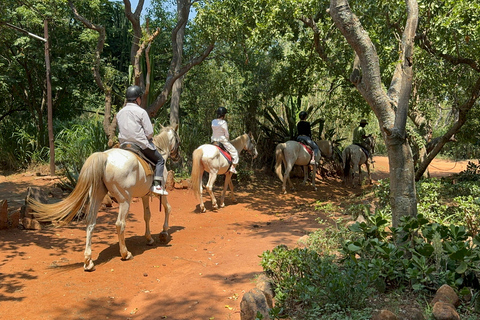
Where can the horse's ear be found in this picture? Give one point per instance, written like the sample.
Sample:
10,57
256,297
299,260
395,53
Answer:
175,127
161,125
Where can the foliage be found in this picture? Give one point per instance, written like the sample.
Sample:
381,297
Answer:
308,285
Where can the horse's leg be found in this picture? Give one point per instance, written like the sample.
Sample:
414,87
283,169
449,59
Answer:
368,172
305,175
232,195
95,203
286,178
211,180
146,216
314,176
228,179
120,224
202,205
164,236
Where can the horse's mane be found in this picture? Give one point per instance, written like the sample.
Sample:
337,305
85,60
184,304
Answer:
161,140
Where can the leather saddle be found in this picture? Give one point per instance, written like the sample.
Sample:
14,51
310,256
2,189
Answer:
147,164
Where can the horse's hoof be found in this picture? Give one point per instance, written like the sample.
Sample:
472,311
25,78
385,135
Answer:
215,207
222,205
164,237
150,242
89,266
314,188
128,256
203,210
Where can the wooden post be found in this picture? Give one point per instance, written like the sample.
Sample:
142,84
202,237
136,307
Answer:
49,101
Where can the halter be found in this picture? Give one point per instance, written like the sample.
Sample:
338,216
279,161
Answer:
251,145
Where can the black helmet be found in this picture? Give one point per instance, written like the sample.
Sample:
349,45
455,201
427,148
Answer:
302,115
221,112
133,92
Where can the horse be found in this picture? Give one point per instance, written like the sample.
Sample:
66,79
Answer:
120,173
208,158
290,153
353,158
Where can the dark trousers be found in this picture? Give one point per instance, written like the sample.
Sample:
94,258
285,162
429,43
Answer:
155,157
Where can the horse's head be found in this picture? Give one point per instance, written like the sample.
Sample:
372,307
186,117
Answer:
251,145
168,142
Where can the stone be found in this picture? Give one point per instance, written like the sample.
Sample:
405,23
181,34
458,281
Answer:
36,193
410,313
384,315
31,224
444,311
4,215
170,183
264,284
252,302
14,219
107,201
303,241
446,294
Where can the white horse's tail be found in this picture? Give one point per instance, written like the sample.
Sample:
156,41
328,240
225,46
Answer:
197,171
89,182
280,158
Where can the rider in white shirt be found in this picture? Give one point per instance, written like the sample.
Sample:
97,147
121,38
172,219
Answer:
134,126
220,134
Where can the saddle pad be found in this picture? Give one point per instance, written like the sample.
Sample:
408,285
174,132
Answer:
224,153
309,150
147,166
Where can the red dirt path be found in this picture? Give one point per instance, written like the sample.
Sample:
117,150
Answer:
202,273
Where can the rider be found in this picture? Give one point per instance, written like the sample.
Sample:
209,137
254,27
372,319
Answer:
134,126
304,130
359,136
220,134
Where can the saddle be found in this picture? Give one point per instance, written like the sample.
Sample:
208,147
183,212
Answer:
147,164
307,148
223,151
367,154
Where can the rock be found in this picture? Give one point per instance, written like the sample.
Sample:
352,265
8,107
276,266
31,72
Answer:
264,284
360,219
252,302
57,193
446,294
170,183
384,315
410,313
31,224
444,311
303,241
36,193
14,219
107,201
4,215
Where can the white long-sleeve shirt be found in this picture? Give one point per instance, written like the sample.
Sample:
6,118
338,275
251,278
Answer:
134,125
220,130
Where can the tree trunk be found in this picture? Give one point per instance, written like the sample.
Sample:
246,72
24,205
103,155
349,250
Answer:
183,10
390,107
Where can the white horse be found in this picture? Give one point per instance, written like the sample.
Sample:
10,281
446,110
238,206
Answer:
292,153
353,158
121,173
208,158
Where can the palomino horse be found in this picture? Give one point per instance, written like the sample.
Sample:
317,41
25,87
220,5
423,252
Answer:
353,158
290,153
208,158
119,172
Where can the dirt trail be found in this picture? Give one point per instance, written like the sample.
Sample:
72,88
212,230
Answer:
202,273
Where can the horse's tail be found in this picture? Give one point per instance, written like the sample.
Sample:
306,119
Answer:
279,159
89,181
197,171
347,158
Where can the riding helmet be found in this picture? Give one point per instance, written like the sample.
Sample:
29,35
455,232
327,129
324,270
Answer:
363,121
302,115
221,111
133,92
